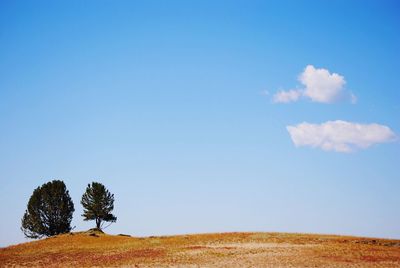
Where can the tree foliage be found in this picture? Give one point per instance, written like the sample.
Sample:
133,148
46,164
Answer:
98,203
49,211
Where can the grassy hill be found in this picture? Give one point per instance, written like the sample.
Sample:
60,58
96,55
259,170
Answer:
83,249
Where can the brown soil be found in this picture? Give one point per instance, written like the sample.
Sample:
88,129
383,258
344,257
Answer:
88,249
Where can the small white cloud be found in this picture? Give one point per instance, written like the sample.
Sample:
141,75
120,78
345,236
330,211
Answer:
353,98
320,86
339,136
287,96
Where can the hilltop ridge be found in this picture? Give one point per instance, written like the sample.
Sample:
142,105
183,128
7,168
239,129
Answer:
95,248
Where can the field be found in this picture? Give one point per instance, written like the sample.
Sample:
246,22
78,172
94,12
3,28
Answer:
93,248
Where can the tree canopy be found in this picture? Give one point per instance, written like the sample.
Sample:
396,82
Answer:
49,211
98,203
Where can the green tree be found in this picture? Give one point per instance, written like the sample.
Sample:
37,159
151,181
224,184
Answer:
49,211
98,203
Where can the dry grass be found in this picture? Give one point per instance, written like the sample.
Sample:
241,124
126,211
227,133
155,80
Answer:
205,250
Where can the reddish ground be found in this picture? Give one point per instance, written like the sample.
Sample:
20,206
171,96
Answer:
204,250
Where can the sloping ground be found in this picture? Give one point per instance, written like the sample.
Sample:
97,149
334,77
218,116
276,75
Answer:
205,250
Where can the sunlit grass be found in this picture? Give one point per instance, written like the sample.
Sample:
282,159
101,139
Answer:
219,250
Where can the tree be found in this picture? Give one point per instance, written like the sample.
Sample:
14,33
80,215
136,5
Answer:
49,211
98,203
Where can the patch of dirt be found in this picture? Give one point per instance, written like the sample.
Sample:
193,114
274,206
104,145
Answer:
255,245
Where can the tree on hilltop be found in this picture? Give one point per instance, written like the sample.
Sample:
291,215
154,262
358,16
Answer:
49,211
98,203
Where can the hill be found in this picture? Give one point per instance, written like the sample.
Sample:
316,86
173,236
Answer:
84,249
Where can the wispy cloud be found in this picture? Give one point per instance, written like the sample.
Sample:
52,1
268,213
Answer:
319,86
353,98
287,96
339,136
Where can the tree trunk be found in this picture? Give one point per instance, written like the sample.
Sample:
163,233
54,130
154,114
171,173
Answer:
98,222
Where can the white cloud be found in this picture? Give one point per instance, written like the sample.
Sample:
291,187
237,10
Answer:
353,98
339,136
320,86
287,96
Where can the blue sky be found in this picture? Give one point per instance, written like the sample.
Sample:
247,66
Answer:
170,104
